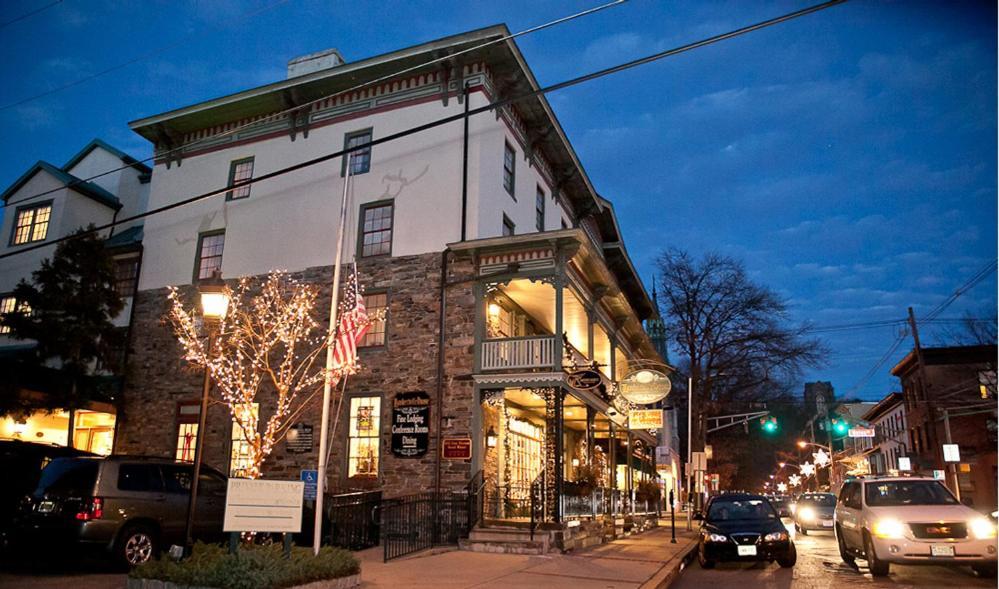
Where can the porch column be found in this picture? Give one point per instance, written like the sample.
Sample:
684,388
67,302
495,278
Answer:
558,283
590,319
629,474
612,458
590,434
613,357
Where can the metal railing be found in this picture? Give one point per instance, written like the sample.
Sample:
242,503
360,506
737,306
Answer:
353,519
526,352
537,501
604,501
417,522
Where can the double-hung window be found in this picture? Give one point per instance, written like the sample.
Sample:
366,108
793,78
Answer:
31,224
508,227
509,169
376,229
539,209
209,260
126,276
241,453
360,159
376,305
239,171
364,432
7,305
187,430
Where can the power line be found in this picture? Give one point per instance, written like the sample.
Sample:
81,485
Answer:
974,280
270,117
184,40
31,13
442,121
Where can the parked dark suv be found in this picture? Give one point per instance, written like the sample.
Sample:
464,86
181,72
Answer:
125,506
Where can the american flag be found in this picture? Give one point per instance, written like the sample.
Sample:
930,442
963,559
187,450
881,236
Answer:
354,323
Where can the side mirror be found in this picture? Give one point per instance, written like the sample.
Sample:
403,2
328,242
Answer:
698,515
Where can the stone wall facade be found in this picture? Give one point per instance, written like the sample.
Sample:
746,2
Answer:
159,379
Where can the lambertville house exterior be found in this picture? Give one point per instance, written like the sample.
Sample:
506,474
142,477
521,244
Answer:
48,202
483,319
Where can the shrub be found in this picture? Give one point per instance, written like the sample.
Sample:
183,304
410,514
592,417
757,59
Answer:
253,567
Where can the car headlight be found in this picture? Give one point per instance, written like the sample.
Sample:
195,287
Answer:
775,537
982,528
715,538
806,513
888,528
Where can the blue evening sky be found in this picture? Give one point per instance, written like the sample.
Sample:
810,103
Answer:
848,158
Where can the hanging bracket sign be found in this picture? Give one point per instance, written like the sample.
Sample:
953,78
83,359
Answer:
644,387
410,424
584,379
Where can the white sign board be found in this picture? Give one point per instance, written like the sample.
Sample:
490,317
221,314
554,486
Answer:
263,506
699,460
664,455
861,432
951,453
904,463
938,475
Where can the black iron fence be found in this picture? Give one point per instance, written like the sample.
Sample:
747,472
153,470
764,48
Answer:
418,522
352,520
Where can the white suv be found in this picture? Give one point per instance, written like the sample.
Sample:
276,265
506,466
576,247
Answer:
911,520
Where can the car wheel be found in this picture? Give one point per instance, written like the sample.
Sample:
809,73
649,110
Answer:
843,552
137,545
790,557
879,568
986,571
704,562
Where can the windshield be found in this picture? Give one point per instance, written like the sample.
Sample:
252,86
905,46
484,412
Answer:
818,501
742,509
907,493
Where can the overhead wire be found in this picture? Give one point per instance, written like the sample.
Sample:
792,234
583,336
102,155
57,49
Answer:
442,121
360,86
29,14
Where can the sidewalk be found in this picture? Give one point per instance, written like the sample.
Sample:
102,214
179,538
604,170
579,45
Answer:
646,561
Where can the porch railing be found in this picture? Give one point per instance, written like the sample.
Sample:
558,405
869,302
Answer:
606,501
526,352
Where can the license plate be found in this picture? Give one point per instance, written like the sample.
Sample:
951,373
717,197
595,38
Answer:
46,507
827,523
747,550
941,550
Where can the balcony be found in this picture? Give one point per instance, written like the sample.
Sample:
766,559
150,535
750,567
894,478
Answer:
519,353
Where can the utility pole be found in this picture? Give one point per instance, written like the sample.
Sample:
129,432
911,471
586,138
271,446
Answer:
951,467
923,389
690,449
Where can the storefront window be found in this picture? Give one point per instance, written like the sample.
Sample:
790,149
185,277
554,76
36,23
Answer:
187,430
524,455
365,427
241,459
93,431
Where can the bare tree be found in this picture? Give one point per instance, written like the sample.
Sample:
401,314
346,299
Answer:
736,335
974,331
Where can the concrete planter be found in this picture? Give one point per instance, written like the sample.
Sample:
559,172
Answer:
349,582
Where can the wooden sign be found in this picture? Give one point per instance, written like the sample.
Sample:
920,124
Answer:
457,448
645,419
583,379
410,424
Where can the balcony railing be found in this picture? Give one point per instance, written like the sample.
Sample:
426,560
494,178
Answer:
524,352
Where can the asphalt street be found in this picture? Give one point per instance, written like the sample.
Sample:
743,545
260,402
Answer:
819,567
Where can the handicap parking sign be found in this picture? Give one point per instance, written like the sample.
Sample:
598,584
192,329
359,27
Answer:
311,480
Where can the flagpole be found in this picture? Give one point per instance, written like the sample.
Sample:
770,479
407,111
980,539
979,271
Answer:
317,532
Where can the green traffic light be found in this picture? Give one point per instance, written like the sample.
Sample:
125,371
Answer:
840,427
770,426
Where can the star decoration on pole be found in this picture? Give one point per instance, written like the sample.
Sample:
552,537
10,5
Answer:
821,458
795,480
808,469
782,487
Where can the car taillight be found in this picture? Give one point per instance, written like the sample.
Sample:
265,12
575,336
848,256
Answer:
93,509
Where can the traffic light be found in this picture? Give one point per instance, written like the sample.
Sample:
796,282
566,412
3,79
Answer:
840,427
769,424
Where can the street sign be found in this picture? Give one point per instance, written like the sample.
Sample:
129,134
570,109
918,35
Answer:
263,506
861,432
938,475
645,419
664,455
699,460
951,453
311,480
904,463
709,452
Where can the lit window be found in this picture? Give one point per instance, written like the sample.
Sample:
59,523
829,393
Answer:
7,305
31,224
539,209
508,227
376,305
376,230
360,160
365,427
126,276
239,171
241,457
509,170
187,430
209,260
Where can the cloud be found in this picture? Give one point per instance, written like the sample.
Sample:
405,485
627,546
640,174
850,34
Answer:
34,115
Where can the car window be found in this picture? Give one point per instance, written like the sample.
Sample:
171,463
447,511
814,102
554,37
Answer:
177,479
894,493
68,476
212,484
741,509
818,500
853,499
139,477
845,492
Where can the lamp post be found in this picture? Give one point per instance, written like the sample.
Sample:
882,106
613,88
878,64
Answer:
214,304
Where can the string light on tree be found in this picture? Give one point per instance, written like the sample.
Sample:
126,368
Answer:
782,487
794,480
821,458
808,469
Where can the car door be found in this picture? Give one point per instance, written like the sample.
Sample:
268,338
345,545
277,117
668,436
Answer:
211,505
848,514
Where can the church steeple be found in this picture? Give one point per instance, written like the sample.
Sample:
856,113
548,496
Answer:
655,328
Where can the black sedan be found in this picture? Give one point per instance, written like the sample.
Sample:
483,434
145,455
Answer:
738,527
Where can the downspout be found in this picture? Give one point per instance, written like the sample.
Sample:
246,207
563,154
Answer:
464,169
440,370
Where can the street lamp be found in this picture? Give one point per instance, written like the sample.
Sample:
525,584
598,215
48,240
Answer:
804,444
214,305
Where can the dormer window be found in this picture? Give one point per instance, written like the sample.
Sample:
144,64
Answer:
31,224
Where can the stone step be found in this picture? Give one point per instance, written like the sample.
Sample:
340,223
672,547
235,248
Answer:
539,546
504,535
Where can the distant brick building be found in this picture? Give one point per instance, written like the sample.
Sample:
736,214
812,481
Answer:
954,388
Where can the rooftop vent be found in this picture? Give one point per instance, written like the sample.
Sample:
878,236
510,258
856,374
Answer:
314,62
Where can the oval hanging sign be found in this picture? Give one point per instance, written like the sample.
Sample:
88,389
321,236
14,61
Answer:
644,387
584,379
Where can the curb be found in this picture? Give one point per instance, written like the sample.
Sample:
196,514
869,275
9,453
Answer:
673,567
